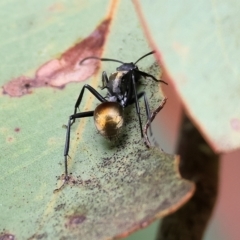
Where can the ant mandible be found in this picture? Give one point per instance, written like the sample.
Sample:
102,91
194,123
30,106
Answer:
121,92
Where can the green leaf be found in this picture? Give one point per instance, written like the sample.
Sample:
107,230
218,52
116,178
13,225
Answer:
198,43
119,186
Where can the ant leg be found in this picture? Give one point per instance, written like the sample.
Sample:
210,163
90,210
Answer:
93,91
144,74
147,108
104,80
137,103
67,142
153,115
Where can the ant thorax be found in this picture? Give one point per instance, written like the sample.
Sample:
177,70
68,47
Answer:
117,87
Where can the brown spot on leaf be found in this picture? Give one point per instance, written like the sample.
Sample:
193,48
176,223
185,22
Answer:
56,7
10,139
60,207
235,124
38,236
17,129
59,72
41,236
7,236
75,220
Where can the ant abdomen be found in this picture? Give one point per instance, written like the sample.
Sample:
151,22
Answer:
109,119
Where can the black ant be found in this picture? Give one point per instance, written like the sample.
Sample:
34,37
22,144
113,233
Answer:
122,92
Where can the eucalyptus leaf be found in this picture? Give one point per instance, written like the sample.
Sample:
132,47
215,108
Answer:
120,185
198,45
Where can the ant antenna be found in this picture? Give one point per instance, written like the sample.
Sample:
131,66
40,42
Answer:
144,56
114,60
101,59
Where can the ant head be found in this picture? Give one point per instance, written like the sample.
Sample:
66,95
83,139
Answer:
127,67
130,66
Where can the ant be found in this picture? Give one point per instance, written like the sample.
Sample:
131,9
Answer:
109,115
